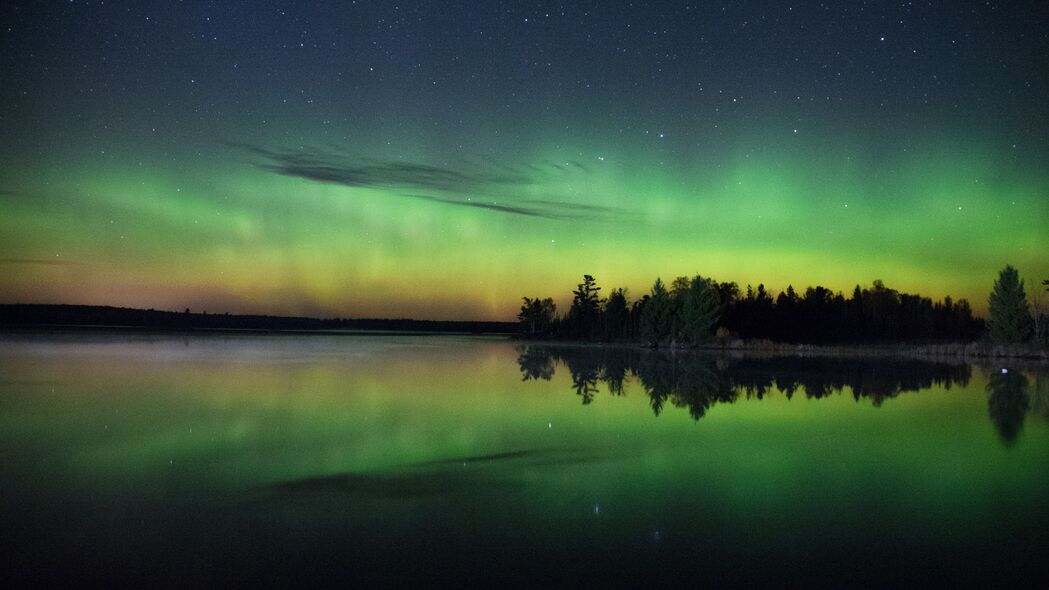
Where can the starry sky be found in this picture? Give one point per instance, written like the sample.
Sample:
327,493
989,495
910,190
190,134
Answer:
442,159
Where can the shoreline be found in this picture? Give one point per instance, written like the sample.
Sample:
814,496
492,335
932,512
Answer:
969,352
67,316
974,352
186,331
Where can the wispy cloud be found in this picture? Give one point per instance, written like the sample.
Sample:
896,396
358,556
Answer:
330,166
492,206
487,185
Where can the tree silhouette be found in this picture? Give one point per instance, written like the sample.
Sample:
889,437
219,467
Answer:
536,316
820,316
699,311
1041,320
1010,320
617,315
655,322
787,309
879,303
586,307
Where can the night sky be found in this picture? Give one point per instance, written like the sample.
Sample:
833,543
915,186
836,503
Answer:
441,159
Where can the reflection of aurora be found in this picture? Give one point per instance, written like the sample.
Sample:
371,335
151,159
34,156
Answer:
295,456
700,382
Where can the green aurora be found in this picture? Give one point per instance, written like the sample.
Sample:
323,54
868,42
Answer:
939,220
441,195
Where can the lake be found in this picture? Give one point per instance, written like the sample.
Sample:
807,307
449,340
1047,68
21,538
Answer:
175,460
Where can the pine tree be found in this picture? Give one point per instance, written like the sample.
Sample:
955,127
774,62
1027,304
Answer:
655,315
699,311
616,315
1010,319
586,307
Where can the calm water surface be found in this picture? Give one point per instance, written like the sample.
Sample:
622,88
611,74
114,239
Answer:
280,459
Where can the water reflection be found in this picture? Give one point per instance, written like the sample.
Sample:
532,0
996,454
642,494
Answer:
373,457
1008,403
699,382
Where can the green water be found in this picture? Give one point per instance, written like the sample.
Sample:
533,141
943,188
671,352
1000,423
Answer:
280,459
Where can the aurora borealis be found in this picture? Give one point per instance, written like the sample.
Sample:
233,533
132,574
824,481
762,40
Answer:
440,160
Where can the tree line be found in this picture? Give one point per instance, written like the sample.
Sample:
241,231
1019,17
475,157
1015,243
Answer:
693,311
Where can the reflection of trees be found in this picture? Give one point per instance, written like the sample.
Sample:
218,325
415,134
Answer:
874,379
687,382
698,382
1008,403
536,363
586,371
616,367
590,366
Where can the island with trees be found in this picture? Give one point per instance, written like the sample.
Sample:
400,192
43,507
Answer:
699,312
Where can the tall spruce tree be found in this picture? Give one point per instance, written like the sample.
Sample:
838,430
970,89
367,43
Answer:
699,311
1010,319
656,314
616,315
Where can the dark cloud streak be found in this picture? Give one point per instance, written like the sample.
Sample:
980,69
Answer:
483,205
464,187
325,166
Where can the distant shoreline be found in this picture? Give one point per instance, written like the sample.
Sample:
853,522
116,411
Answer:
38,317
152,330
